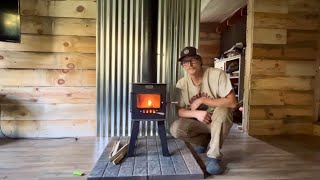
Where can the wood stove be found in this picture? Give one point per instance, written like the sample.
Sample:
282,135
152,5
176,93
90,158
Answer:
148,103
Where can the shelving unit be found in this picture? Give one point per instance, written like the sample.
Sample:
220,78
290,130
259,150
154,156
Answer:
237,76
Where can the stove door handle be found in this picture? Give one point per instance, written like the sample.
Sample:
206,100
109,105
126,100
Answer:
172,102
160,113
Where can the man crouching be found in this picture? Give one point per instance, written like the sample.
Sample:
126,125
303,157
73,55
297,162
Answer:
205,100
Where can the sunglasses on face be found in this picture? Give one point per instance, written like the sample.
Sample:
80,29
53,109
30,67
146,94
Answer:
189,61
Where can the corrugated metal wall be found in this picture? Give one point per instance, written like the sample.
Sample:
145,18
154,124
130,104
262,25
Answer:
119,52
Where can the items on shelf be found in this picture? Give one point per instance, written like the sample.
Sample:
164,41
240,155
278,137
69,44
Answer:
234,50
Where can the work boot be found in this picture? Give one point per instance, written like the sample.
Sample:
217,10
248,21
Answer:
200,149
213,167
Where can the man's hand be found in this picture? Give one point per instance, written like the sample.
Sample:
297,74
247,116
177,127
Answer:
203,116
196,104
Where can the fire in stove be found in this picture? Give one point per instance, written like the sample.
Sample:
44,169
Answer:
148,100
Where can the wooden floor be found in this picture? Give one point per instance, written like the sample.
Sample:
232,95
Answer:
245,157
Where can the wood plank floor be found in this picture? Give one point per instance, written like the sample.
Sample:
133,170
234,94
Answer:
245,157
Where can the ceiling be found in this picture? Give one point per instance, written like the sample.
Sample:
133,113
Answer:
219,10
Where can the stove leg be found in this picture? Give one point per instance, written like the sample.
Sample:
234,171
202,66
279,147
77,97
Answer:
163,138
133,138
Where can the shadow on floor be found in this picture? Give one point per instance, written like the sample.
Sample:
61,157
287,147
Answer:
303,146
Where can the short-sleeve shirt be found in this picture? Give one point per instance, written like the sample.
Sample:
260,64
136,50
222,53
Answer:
215,84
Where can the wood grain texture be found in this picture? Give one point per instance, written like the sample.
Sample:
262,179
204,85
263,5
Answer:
58,26
47,111
45,43
209,43
287,113
310,6
48,77
270,36
247,67
283,68
266,51
58,128
48,80
265,127
48,95
274,97
39,60
298,21
272,6
284,71
56,8
316,129
282,83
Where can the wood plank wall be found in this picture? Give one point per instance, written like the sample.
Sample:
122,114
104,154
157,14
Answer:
283,66
209,43
48,81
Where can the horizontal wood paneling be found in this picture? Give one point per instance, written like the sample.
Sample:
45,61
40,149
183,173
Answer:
47,77
36,43
316,129
209,43
58,26
298,128
270,36
37,60
298,21
263,127
57,8
48,95
48,80
58,128
304,38
47,111
275,6
288,113
282,83
283,68
274,97
265,51
310,6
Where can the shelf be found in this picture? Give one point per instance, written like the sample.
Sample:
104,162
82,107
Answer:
229,58
234,77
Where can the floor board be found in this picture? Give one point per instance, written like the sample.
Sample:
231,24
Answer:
245,157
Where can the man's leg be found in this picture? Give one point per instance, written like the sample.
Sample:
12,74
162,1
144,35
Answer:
219,128
190,130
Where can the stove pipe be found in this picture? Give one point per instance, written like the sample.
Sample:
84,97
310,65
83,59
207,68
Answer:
149,60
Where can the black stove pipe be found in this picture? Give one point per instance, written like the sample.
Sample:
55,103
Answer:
149,62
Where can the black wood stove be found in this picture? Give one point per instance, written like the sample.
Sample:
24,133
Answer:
148,99
148,103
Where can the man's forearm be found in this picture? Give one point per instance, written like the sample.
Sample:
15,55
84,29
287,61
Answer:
225,102
182,112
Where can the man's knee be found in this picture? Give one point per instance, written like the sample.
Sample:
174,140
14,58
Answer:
222,114
177,130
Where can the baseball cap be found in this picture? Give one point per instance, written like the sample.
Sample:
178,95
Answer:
189,51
